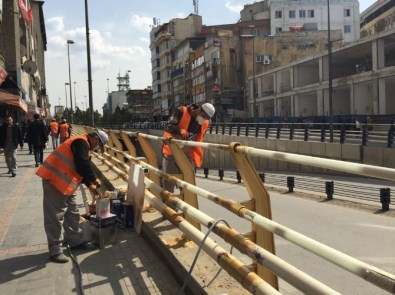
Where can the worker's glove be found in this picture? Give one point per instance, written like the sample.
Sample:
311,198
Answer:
93,188
184,133
191,136
97,183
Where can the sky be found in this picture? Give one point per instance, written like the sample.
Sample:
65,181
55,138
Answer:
119,41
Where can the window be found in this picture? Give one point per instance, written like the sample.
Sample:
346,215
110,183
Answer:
347,29
310,13
279,30
292,14
302,13
278,14
347,12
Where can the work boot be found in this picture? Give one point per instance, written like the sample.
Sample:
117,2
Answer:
59,258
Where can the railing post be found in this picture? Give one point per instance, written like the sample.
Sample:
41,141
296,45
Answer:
247,129
329,189
343,134
205,171
262,177
292,132
364,135
278,135
221,174
211,128
223,128
230,128
216,128
290,183
390,137
306,132
238,177
323,132
385,198
256,129
238,130
267,131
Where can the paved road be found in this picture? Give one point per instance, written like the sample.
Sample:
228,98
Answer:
362,234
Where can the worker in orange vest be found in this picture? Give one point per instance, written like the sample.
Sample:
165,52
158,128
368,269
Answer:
189,123
64,130
62,173
54,132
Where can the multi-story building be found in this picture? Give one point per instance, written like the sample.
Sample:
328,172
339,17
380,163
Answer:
377,18
140,104
307,15
117,99
164,38
363,75
22,72
183,55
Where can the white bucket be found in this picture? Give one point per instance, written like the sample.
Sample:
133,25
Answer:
103,208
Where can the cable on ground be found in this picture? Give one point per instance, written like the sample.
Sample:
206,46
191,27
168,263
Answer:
80,285
197,255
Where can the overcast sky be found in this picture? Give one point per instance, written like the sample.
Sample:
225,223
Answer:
119,41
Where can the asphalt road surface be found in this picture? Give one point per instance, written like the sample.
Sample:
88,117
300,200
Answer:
364,235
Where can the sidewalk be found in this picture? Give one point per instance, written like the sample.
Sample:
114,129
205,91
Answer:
128,267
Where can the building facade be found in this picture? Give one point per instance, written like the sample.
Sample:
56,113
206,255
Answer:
140,104
22,72
164,38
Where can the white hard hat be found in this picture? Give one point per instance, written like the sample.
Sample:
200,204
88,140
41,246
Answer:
209,109
102,136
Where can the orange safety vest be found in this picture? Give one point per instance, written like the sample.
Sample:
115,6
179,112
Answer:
64,130
197,152
54,127
59,168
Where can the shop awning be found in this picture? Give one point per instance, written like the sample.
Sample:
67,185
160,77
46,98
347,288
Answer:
14,100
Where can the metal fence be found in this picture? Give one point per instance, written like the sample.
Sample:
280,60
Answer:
380,135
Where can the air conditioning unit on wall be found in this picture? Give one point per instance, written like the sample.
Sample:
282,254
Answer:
267,60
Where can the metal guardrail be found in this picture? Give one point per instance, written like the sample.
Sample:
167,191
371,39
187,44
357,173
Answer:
381,135
372,193
241,154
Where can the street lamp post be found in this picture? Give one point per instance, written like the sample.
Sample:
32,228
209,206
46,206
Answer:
108,89
71,95
88,55
330,76
65,92
75,96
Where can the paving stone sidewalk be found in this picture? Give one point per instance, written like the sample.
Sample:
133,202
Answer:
127,267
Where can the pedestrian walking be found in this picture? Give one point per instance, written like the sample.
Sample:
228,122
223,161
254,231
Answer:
10,137
25,135
54,132
38,138
188,123
62,172
64,130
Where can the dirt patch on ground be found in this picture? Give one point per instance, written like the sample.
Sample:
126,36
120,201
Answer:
206,272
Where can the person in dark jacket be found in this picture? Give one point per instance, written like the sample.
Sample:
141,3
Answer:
38,137
10,137
25,129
